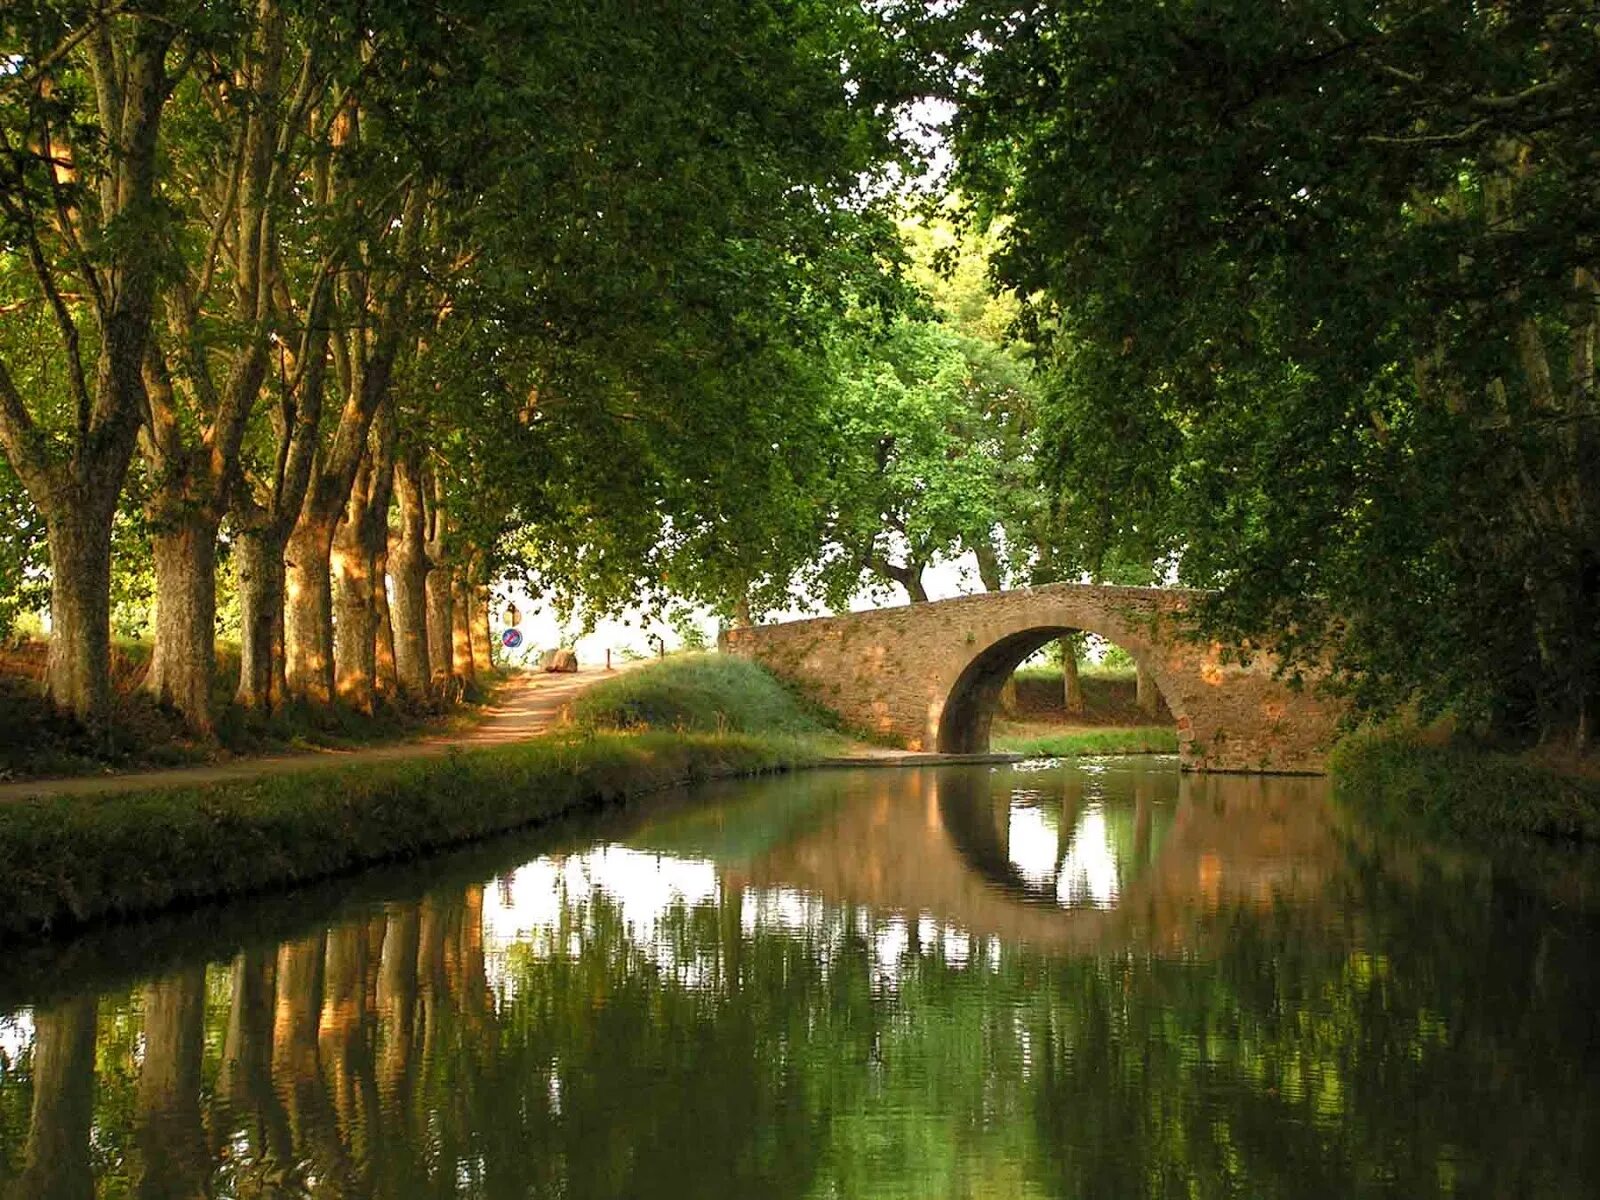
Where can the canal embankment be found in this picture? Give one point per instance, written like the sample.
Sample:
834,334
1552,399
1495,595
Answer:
68,861
1447,786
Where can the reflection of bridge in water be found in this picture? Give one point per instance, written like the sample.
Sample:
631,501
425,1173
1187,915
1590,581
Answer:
1064,869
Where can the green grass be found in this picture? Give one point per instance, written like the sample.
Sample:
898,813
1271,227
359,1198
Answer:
1076,743
1401,779
68,861
698,693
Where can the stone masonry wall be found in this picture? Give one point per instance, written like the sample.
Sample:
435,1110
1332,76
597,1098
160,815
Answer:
892,672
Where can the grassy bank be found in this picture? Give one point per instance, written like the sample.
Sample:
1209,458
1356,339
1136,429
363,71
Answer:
1398,778
1075,743
69,861
698,693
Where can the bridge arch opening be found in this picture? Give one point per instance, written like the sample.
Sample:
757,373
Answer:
966,721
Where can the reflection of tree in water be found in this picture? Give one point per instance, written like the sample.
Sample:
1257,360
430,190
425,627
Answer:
759,1042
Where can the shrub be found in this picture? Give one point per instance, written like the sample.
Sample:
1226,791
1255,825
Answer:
705,693
1399,777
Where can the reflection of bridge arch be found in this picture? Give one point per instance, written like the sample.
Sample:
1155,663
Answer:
929,675
885,846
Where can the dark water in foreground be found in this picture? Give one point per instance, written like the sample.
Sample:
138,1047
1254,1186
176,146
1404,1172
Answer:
1092,981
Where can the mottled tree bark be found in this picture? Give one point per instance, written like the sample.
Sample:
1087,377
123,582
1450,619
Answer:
259,582
482,632
183,665
79,670
1072,682
438,589
76,484
989,567
408,567
358,548
363,359
388,678
308,610
908,576
441,624
461,596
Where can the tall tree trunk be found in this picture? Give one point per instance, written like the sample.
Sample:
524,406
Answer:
388,674
989,567
56,1162
79,672
482,636
441,624
461,628
909,576
408,565
184,664
912,582
1073,683
308,610
359,549
76,485
1146,694
441,618
355,621
258,561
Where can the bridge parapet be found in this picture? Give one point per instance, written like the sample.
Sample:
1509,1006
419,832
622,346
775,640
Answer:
928,676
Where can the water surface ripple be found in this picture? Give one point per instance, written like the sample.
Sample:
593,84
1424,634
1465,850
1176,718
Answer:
1092,980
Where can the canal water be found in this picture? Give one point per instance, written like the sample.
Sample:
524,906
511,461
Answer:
1094,980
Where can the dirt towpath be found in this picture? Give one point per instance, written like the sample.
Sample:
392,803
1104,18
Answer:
527,705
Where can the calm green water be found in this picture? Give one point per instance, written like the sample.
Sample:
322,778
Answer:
1081,981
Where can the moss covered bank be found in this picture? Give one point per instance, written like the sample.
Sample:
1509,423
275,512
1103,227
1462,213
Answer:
68,861
1462,789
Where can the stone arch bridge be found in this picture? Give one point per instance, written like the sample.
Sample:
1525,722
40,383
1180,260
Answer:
929,675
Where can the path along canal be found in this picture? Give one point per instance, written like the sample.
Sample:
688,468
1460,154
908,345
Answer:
1102,979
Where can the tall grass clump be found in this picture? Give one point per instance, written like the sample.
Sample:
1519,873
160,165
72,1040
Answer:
1403,778
697,693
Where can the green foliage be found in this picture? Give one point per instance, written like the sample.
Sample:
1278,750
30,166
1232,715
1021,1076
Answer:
686,626
23,554
925,455
1321,323
702,693
1403,779
67,861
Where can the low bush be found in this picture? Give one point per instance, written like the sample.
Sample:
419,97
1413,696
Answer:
72,860
1399,777
703,693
